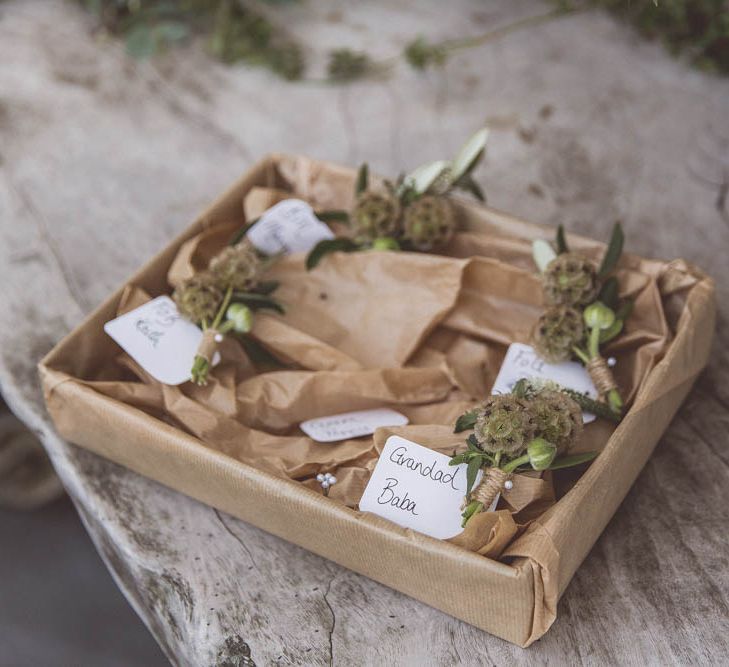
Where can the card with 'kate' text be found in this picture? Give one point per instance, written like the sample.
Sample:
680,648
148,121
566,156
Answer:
159,339
414,487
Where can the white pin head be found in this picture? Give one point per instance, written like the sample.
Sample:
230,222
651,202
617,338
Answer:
326,480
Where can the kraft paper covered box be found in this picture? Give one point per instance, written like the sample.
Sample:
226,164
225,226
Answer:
423,334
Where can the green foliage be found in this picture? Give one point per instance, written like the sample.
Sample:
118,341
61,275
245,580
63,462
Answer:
543,253
609,292
613,252
235,33
468,184
363,179
328,246
256,301
697,28
266,287
466,421
286,60
143,41
347,65
421,54
240,234
572,460
240,34
561,241
597,408
260,356
474,465
334,216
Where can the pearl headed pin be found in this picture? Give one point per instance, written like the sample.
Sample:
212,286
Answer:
327,480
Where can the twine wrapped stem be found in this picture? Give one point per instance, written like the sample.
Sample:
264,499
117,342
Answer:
209,344
601,375
492,483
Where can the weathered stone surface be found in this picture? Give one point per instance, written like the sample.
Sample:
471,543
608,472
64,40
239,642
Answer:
102,160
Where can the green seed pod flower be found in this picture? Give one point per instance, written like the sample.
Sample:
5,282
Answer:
429,222
504,425
598,316
541,453
558,418
241,317
385,243
557,331
198,298
237,267
570,280
376,215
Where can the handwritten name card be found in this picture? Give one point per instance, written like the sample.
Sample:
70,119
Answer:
521,361
414,487
159,339
289,226
351,424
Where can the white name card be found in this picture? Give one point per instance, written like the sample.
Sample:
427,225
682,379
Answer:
351,424
414,487
159,339
289,226
521,361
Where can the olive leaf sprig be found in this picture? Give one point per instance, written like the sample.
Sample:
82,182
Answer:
223,298
584,311
531,428
412,213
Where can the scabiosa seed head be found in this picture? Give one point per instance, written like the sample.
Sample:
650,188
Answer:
429,222
504,425
376,215
570,280
557,331
557,417
199,297
236,266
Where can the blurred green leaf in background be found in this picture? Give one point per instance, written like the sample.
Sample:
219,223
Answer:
233,31
238,32
698,29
